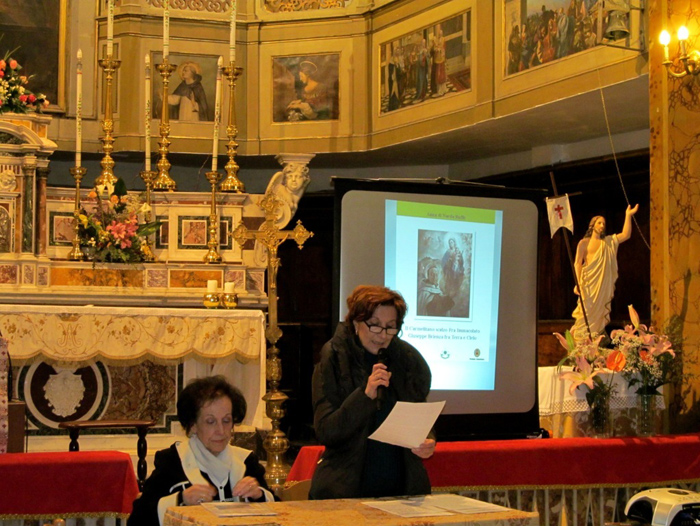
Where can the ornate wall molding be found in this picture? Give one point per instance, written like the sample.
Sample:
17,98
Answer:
282,6
209,6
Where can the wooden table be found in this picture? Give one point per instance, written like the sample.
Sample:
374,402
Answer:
342,512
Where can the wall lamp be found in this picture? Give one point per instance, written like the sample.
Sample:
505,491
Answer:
690,61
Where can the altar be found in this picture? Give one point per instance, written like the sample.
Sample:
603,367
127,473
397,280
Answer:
95,362
566,414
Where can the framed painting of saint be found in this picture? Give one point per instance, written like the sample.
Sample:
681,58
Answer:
191,90
305,88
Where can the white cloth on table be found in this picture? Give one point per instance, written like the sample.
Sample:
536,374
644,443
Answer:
554,396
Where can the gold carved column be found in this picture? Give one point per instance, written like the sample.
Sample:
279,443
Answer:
674,114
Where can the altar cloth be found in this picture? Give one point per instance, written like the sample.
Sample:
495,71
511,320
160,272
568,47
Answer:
74,334
66,485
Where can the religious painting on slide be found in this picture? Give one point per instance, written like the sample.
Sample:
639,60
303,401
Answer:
542,31
444,273
305,88
426,64
191,91
32,29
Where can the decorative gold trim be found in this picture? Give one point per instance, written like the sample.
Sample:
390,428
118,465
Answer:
507,487
96,515
62,31
286,6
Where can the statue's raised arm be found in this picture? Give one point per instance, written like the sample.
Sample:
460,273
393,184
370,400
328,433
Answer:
627,227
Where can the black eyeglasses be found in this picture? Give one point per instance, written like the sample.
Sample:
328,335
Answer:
377,329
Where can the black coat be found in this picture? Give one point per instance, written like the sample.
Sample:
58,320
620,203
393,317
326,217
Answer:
344,414
167,478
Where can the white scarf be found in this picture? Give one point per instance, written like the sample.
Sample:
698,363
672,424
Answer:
218,467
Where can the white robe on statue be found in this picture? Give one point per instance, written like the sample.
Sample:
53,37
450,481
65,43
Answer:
598,277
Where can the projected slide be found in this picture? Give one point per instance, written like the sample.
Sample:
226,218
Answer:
446,262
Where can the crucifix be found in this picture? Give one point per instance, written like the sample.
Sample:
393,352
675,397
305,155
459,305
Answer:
270,235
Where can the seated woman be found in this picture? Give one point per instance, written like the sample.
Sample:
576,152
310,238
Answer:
364,370
204,467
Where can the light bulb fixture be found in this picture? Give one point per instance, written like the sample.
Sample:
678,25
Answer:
690,61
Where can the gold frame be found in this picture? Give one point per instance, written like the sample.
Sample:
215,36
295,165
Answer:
57,104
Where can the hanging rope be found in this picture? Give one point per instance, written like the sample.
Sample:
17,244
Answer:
617,166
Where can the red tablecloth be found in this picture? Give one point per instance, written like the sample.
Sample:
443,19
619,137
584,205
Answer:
558,462
75,484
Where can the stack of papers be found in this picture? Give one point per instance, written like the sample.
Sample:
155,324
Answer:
237,509
435,505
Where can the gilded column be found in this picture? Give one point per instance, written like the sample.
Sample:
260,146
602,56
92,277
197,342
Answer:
675,194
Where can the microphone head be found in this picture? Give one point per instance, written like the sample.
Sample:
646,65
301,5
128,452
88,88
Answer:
382,356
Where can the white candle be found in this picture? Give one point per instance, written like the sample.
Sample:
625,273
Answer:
79,110
229,287
110,28
212,285
148,114
166,29
232,35
217,115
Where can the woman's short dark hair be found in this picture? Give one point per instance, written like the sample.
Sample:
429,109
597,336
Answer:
364,300
202,391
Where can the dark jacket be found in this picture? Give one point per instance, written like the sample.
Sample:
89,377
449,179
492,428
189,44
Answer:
168,478
343,413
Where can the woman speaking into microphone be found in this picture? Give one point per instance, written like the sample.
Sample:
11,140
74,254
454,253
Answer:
363,371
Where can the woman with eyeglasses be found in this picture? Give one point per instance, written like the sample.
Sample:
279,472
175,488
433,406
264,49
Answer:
363,371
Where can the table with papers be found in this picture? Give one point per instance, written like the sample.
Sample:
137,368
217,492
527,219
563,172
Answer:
353,512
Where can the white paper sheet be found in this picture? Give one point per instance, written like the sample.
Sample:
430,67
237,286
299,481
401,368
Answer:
460,504
408,424
407,508
237,509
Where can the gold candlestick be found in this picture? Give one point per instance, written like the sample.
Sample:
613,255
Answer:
148,177
76,253
109,65
163,182
232,183
213,255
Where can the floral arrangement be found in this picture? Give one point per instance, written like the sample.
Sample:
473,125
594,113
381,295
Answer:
589,359
649,357
110,230
14,96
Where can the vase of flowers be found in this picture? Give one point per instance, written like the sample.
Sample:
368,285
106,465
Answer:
589,360
109,228
14,95
650,363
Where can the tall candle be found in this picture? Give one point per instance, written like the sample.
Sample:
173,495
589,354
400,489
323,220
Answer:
148,113
212,285
232,35
79,110
217,115
110,28
166,29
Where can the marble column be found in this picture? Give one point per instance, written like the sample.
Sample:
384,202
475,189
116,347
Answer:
42,175
675,201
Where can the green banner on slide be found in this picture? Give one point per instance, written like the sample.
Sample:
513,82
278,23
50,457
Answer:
446,212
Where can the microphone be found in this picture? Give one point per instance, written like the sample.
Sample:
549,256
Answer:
382,357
